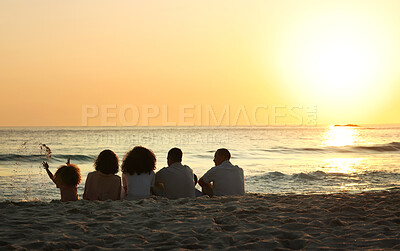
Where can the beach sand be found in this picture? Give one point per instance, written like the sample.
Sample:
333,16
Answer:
369,220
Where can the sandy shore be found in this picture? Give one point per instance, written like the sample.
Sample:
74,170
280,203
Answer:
255,221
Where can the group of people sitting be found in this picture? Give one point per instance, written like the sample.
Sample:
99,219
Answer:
140,181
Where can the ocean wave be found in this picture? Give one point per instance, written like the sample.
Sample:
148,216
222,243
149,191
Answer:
321,175
390,147
38,157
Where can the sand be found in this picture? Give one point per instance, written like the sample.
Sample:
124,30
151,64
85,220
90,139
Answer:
368,220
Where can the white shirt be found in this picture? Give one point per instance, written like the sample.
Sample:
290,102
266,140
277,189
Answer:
138,185
227,179
178,181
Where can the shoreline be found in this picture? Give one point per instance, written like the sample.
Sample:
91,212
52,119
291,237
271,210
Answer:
56,194
368,220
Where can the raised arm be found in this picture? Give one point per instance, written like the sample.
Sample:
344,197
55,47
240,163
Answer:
46,167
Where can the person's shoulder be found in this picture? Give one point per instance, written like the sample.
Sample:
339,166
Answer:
91,174
116,179
236,166
214,168
162,173
211,173
228,163
237,169
187,167
162,170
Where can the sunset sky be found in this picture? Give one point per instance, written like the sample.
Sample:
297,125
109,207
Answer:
60,59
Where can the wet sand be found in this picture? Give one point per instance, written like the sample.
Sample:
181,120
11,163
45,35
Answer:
368,220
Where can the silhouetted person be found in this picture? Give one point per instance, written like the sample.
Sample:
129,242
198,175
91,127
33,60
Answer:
138,174
224,178
176,180
67,178
104,184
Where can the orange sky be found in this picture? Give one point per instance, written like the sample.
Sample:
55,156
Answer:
180,62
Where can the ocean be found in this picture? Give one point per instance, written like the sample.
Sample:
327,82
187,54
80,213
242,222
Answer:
278,160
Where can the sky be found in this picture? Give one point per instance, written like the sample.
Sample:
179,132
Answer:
128,63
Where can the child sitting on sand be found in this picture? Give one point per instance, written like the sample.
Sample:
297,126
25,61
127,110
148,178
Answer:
104,184
67,178
138,173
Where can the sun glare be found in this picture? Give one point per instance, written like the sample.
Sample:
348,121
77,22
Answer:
341,136
337,66
337,57
342,165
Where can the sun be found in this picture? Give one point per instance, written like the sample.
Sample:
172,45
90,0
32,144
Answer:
335,57
339,63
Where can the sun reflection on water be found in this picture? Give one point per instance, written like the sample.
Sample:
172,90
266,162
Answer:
343,165
346,173
341,136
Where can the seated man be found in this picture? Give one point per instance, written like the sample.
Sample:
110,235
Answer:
227,179
177,180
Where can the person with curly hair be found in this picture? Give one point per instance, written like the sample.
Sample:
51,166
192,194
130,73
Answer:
66,178
138,173
104,184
